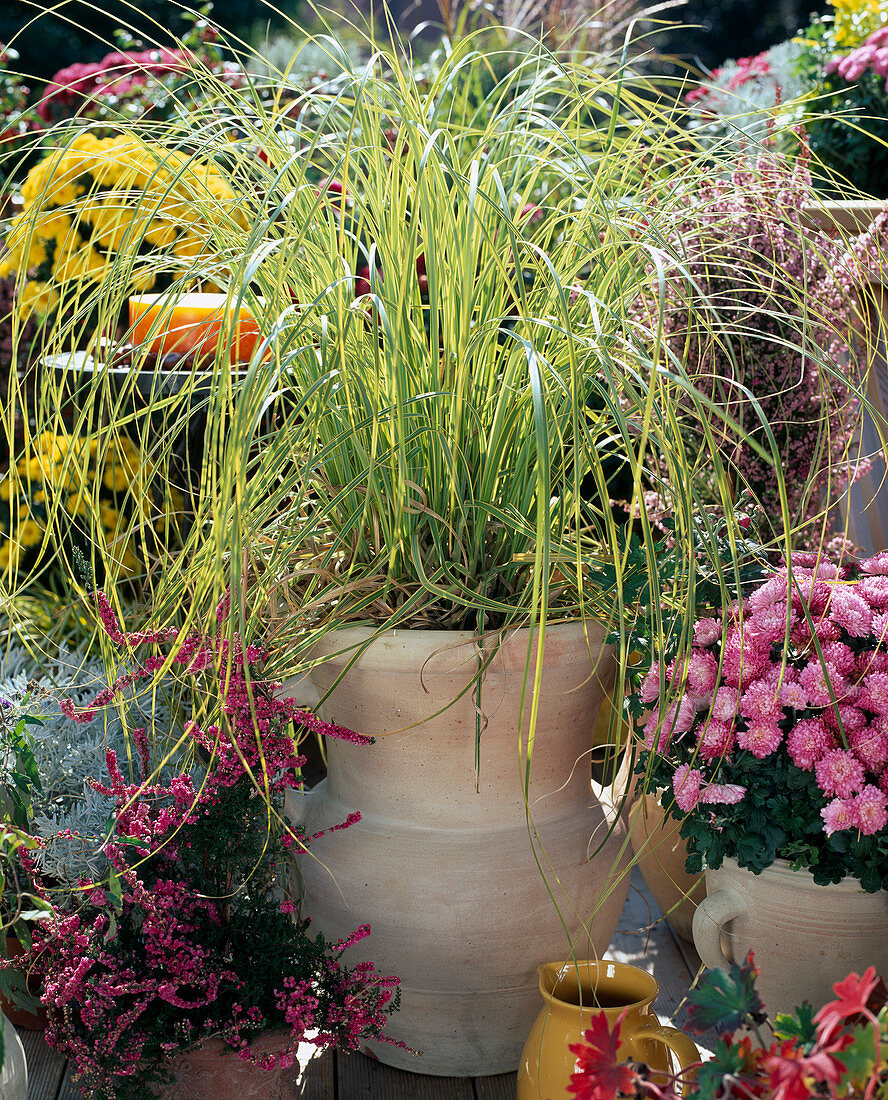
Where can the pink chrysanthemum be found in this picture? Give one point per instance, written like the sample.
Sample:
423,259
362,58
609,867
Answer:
760,701
707,631
769,594
761,738
867,661
792,693
686,786
874,692
879,629
870,809
702,672
853,614
838,815
725,704
870,746
817,683
650,685
677,719
809,741
722,794
809,596
840,657
743,660
839,773
875,591
878,564
716,739
768,626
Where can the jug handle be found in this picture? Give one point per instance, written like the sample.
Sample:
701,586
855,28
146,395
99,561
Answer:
714,911
684,1048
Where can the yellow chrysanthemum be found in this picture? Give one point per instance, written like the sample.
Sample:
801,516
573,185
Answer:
129,563
40,298
6,489
120,472
29,533
110,517
75,505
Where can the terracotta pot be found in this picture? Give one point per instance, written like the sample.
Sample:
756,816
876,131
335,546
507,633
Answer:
443,866
805,937
574,992
661,853
212,1072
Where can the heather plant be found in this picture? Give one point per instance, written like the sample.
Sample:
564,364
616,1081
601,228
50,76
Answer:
835,1053
186,937
768,736
758,306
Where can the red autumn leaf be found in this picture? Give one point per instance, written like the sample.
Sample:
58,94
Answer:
599,1073
853,993
795,1076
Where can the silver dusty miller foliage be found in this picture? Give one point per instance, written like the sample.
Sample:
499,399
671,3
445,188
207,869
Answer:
69,754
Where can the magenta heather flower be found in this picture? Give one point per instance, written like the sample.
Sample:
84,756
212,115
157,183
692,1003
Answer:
840,773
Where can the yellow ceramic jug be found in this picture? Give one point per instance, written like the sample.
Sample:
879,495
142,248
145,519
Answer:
574,992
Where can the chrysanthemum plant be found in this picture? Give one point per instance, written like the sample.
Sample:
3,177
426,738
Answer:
455,418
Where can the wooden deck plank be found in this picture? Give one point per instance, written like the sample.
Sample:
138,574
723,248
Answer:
362,1078
500,1087
45,1067
317,1077
68,1091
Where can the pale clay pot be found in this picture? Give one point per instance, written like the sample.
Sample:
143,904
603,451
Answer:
446,874
661,852
213,1071
805,937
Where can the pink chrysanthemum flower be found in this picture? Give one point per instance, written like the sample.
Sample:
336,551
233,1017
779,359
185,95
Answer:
707,631
870,746
716,739
874,692
760,701
702,672
809,741
792,693
827,630
840,773
809,596
650,685
878,564
677,719
874,590
761,738
838,815
725,704
853,614
768,626
879,630
817,683
767,595
867,661
870,810
840,657
686,786
722,794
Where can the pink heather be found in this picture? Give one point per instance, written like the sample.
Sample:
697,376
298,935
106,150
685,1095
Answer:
840,773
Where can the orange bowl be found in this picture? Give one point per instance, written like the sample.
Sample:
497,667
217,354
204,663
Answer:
193,324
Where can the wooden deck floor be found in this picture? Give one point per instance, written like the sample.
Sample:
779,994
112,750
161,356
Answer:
641,939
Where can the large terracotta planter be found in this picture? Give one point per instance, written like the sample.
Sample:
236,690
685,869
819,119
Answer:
805,937
464,892
661,852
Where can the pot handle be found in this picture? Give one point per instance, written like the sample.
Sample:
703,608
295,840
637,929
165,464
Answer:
714,911
684,1048
302,691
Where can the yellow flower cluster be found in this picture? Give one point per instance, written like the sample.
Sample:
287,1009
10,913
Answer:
855,21
101,198
72,482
